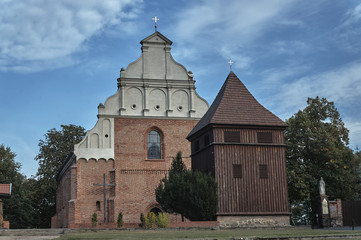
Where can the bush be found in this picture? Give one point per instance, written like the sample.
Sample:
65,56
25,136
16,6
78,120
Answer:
150,221
142,221
162,220
94,219
120,221
190,193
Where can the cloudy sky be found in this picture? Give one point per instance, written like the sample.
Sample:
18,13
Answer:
60,59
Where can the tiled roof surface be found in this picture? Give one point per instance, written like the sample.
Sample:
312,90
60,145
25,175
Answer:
5,189
235,105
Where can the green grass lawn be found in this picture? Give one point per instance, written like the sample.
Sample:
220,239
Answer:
203,234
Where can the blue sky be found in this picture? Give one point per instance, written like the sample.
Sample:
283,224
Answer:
60,59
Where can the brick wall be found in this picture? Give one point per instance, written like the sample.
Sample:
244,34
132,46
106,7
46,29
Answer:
63,196
89,173
135,176
335,207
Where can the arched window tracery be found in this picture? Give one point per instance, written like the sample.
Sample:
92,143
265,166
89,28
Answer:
154,145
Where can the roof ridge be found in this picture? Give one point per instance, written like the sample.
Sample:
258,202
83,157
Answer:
235,104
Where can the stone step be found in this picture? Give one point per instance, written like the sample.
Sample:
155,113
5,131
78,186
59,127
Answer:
32,232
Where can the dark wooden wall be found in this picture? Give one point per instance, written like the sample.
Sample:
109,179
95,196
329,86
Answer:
249,194
203,157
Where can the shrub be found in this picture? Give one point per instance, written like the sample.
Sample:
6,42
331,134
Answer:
150,221
120,221
142,221
94,219
162,220
190,193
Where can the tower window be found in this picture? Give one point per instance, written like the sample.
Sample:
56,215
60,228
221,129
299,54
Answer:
237,170
206,140
196,146
264,137
97,204
154,145
263,171
232,137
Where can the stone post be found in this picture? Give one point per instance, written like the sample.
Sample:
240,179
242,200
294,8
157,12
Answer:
324,219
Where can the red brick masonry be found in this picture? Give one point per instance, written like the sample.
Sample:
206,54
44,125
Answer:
135,176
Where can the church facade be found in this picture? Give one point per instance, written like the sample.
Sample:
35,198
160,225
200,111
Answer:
139,130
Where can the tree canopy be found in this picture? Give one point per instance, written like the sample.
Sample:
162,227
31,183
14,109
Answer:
56,147
317,140
17,208
53,153
190,193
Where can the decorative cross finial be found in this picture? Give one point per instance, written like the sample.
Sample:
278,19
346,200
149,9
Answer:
230,63
155,19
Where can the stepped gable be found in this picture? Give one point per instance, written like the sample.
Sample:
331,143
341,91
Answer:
235,105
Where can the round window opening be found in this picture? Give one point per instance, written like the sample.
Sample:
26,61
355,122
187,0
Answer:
180,108
134,106
106,135
157,107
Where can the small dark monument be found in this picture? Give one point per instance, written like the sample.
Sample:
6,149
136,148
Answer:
324,219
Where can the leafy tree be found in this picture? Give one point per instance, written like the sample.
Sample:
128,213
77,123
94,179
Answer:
56,147
53,153
17,208
317,142
170,192
190,193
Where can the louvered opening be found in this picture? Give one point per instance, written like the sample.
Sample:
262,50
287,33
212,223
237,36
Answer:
264,137
232,137
196,146
206,140
237,170
263,171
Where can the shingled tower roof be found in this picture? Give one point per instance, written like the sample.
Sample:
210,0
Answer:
235,105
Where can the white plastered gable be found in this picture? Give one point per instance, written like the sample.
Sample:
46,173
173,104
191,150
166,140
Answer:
156,61
154,85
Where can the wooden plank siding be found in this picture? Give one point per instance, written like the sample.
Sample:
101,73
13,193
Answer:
203,159
248,135
250,194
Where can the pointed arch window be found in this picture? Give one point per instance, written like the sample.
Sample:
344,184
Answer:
154,146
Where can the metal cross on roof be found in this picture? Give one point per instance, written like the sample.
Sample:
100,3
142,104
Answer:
230,63
155,19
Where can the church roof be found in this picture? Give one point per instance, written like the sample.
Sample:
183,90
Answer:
5,190
151,38
235,105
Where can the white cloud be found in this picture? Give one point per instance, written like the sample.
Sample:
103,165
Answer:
240,60
40,30
239,19
354,14
227,28
280,75
355,131
289,47
341,85
347,35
